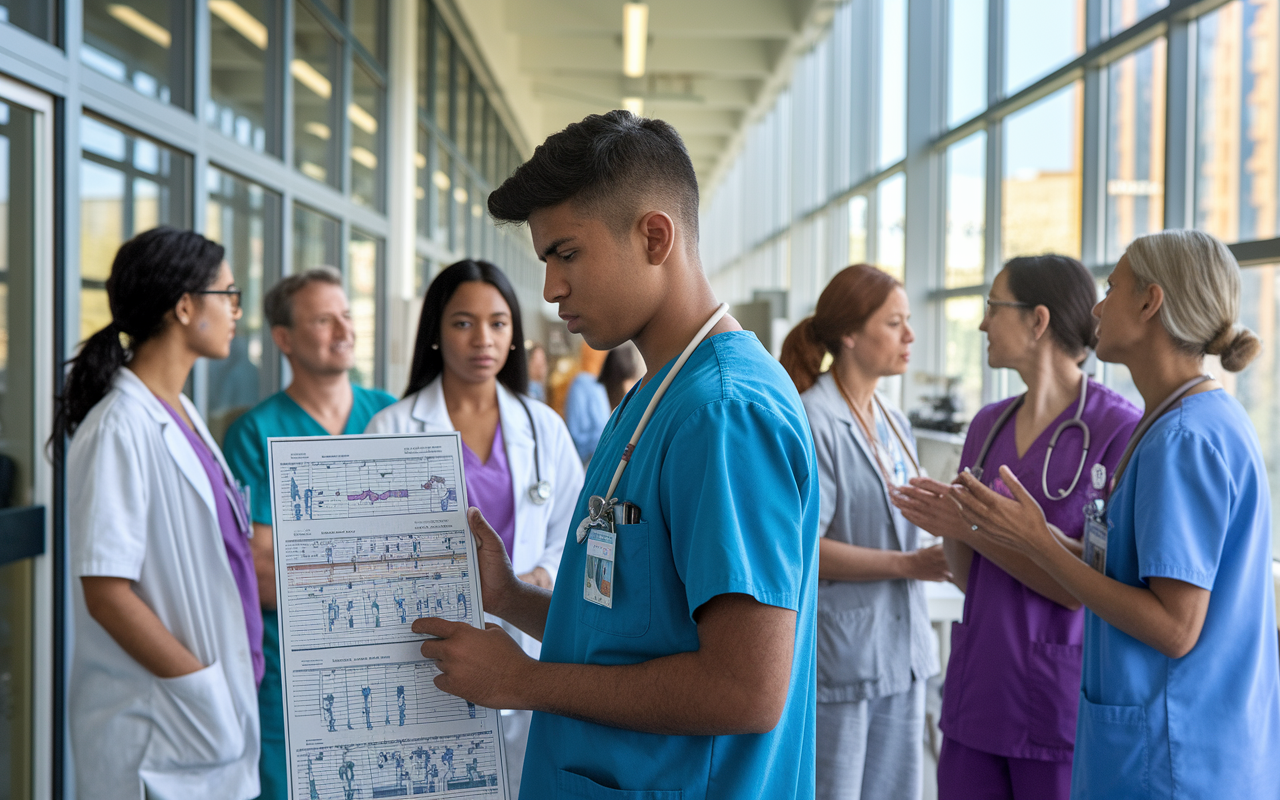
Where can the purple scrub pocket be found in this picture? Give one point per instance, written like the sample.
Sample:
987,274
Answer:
1053,693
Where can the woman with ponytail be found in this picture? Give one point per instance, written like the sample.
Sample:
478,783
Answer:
168,635
875,643
1180,695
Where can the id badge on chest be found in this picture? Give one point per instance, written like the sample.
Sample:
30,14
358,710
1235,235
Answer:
597,586
1095,536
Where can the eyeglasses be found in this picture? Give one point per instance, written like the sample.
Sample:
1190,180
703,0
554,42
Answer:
994,304
232,294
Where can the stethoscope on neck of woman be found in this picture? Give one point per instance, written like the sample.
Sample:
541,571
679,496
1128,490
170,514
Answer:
1075,422
540,491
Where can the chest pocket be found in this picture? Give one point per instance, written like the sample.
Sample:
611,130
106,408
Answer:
632,593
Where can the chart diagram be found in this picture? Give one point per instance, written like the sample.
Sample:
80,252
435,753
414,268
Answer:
368,590
377,698
457,767
380,487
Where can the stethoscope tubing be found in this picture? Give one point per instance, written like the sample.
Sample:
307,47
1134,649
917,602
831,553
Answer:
1075,422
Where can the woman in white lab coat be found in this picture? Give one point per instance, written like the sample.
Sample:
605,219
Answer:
469,374
163,702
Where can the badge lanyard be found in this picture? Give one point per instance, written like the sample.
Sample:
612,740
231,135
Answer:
1095,513
598,507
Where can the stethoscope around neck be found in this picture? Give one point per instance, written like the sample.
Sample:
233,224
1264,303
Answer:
1075,422
540,491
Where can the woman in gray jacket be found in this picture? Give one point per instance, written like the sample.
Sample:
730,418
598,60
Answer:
875,644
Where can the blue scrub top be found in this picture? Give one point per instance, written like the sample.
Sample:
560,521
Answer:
1194,505
245,447
726,480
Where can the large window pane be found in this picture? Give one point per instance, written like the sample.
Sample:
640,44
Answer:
368,23
1135,147
442,75
245,219
461,211
893,81
442,202
1041,191
891,226
462,113
1040,36
315,70
1238,121
315,240
964,351
36,17
967,59
141,43
423,189
366,114
966,212
1124,13
858,229
239,34
127,185
364,254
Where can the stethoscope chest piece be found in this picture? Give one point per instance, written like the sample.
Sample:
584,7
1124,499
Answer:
540,493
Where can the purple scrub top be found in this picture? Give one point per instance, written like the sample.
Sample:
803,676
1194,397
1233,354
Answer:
489,489
233,538
1013,680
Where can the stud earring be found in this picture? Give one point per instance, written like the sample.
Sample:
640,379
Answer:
435,346
513,347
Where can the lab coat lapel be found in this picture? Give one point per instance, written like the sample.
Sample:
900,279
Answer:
175,440
845,415
429,408
517,436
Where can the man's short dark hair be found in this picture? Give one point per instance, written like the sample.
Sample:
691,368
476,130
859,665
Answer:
277,306
609,165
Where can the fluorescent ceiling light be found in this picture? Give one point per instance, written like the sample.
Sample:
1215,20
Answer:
318,130
241,21
419,161
634,104
362,119
441,180
460,195
635,38
364,157
311,78
132,18
312,170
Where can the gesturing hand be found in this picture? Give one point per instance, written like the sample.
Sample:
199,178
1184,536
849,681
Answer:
485,667
1018,524
929,564
925,504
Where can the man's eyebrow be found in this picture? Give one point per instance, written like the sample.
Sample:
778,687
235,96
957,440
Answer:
554,246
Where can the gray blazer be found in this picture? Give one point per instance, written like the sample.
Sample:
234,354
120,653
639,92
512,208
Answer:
873,636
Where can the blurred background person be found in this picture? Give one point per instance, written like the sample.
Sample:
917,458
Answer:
1013,680
876,647
586,407
537,355
167,621
622,368
310,323
469,374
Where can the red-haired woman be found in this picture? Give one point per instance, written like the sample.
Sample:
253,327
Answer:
875,644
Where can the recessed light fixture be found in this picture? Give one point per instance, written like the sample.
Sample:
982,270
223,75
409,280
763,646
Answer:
634,104
241,21
141,24
635,38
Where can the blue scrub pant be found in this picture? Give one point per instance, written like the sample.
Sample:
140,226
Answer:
273,768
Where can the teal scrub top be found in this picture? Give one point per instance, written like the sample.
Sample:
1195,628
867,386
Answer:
726,480
1194,505
245,447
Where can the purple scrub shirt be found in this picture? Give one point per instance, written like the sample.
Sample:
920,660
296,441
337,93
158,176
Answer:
236,541
1013,682
489,489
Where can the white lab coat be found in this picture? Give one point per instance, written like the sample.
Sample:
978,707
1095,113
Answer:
140,507
540,529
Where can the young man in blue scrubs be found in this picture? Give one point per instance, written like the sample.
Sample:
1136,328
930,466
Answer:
700,678
311,324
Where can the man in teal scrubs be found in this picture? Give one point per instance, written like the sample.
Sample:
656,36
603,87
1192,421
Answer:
697,679
311,324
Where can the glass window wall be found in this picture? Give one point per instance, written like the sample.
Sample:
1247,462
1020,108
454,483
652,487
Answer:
143,43
366,113
36,17
967,62
893,81
1040,36
1135,147
315,68
241,70
368,23
858,229
966,212
1042,174
891,226
364,253
316,239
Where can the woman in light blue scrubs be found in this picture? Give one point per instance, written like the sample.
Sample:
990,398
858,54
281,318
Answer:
1180,696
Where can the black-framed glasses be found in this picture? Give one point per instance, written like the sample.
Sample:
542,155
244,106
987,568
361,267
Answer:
994,304
232,294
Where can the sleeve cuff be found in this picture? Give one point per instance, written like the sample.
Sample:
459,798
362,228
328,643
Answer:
108,568
700,597
1195,577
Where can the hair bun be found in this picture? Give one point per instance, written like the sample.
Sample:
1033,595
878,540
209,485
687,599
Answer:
1242,347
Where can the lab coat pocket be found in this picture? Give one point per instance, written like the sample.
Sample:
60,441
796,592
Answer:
194,723
631,591
1111,752
1053,692
572,786
847,647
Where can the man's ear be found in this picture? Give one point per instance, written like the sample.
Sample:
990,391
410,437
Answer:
284,343
659,235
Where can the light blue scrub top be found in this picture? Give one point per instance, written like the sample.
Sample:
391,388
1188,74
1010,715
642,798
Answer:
1194,505
726,480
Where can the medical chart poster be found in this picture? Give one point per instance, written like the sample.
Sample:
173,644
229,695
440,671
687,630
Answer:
370,533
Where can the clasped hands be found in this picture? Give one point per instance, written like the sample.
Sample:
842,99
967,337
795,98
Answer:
972,513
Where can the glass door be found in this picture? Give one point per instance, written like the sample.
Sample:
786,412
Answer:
26,366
